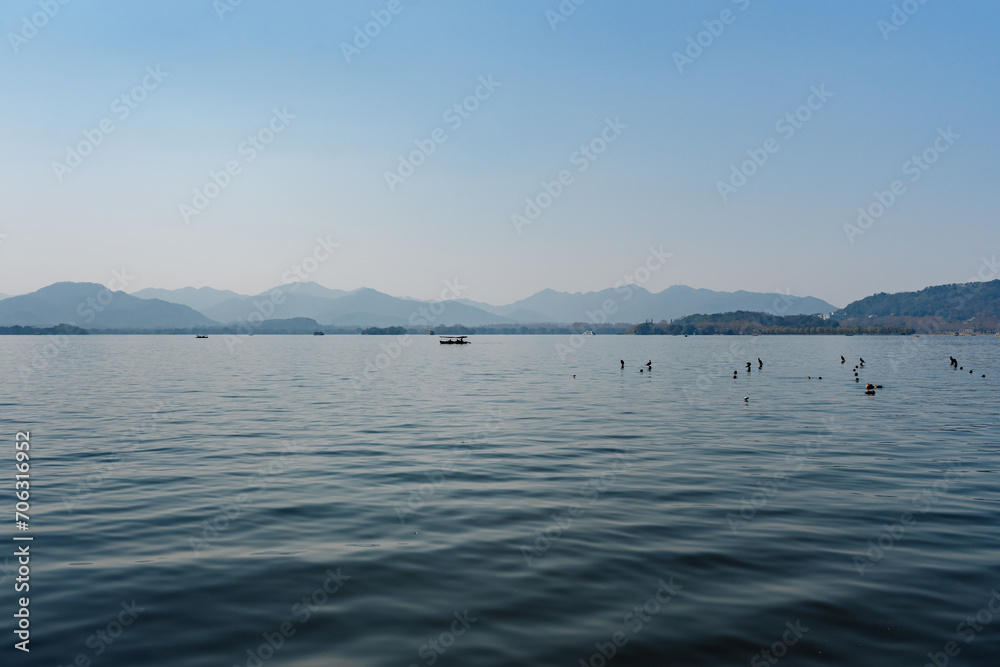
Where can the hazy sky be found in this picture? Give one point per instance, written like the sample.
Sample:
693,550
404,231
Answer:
187,88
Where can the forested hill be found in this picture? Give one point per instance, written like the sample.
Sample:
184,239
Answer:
744,322
953,303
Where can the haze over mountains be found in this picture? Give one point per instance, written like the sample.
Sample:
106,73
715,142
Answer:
198,298
94,306
89,305
368,307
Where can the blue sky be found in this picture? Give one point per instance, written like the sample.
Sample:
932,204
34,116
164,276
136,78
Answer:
555,87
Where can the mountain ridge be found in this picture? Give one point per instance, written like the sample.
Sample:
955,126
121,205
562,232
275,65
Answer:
190,307
94,306
91,305
368,307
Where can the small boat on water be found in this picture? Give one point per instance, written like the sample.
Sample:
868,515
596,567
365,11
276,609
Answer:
200,336
588,332
454,340
318,333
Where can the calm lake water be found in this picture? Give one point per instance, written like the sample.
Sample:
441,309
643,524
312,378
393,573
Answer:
269,502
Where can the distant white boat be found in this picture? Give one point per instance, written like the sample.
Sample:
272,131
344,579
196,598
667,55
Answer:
588,332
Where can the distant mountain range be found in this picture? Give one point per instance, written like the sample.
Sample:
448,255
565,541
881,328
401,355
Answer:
368,307
634,304
199,298
303,306
93,307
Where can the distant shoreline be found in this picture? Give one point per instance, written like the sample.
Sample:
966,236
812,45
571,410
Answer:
56,331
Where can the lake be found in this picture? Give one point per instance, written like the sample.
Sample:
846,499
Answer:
372,500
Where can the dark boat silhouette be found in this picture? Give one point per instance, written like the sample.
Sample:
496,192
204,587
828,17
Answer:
454,340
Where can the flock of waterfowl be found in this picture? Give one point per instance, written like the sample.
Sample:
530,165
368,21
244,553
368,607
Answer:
954,364
869,386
